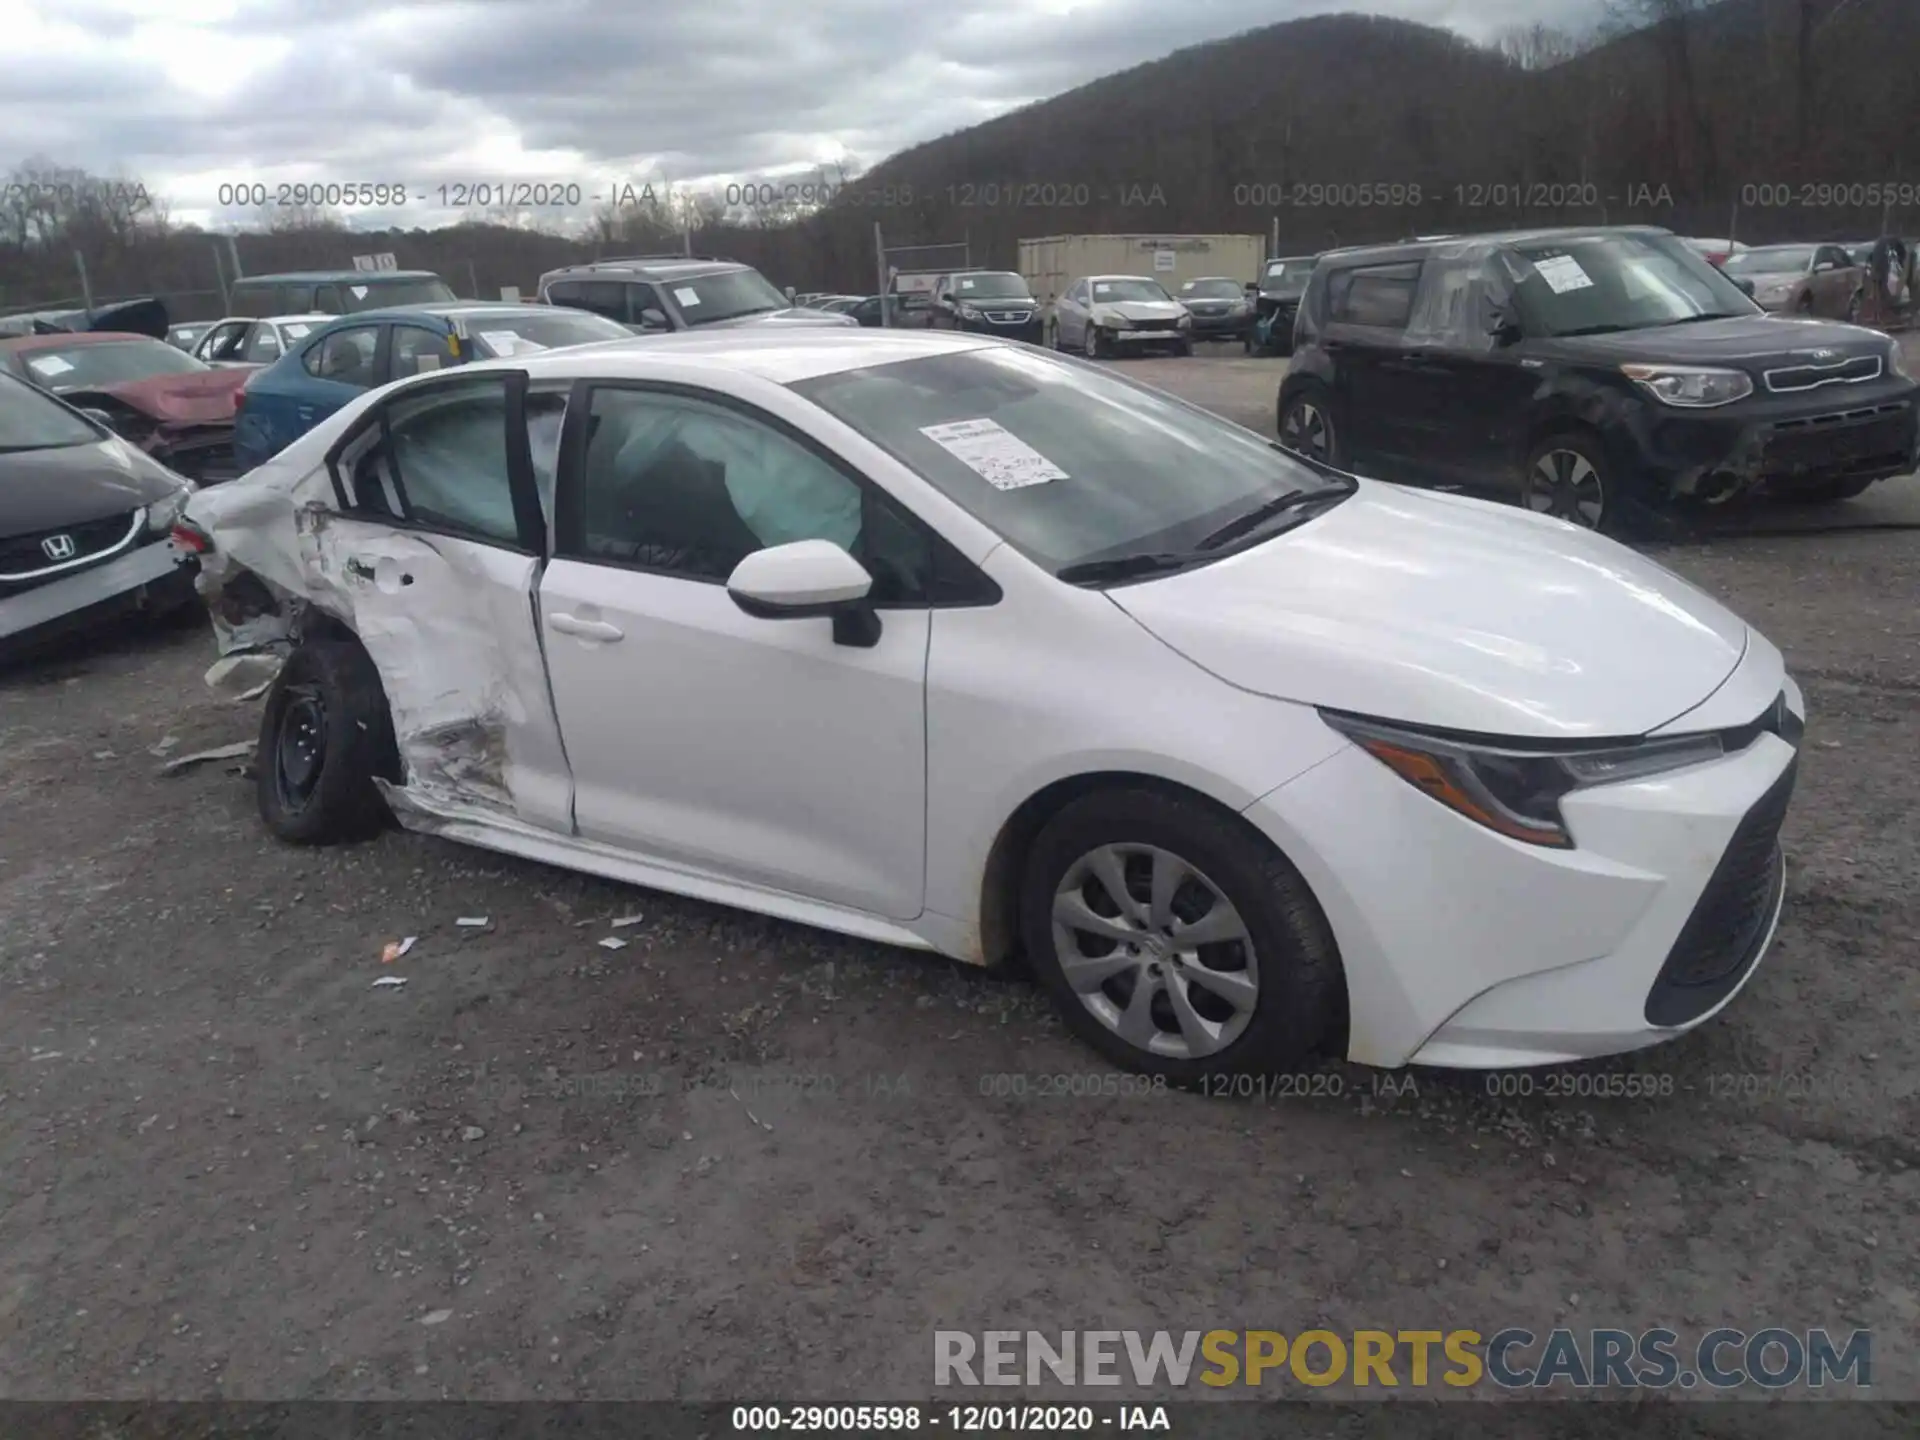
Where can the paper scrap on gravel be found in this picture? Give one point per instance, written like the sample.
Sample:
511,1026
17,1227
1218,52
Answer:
237,751
389,982
396,948
613,942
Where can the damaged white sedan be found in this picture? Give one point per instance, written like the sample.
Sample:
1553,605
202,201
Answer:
963,646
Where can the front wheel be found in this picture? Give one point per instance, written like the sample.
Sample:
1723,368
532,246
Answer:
1567,477
1093,342
325,735
1174,941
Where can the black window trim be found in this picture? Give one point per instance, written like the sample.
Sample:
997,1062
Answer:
521,488
394,326
944,558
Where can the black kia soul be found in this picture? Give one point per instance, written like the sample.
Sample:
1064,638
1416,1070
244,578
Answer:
1611,377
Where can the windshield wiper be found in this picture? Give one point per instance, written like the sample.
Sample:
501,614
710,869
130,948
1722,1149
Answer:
1592,330
1121,567
1280,505
1696,319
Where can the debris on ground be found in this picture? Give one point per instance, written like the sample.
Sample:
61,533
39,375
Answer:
613,942
473,922
396,948
389,982
239,750
625,920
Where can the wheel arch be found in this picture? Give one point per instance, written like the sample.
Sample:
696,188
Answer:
999,902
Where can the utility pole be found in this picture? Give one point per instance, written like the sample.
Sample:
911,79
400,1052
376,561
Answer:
880,273
86,286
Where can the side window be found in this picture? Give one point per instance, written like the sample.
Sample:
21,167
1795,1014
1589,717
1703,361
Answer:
641,298
257,299
326,299
225,341
602,297
1450,309
440,461
1380,296
345,357
690,487
263,345
415,349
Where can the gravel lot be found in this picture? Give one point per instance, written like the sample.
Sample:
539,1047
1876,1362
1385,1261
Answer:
740,1160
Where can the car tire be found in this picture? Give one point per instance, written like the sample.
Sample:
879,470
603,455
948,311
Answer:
1185,347
325,734
1307,413
1567,476
1262,1000
1093,343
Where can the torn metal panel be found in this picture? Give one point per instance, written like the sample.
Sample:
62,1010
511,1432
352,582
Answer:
449,623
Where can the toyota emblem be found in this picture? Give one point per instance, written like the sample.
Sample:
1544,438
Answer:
58,547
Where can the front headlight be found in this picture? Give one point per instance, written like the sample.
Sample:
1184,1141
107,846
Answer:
970,312
1516,793
162,513
1896,362
1184,321
1239,307
1691,386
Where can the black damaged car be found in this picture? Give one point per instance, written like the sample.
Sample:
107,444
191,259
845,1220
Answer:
986,302
1609,377
85,524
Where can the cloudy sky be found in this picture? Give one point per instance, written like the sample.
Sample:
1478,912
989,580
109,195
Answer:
190,95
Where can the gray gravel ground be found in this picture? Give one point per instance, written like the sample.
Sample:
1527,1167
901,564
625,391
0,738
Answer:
739,1159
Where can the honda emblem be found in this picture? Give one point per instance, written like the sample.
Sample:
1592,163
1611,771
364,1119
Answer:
58,547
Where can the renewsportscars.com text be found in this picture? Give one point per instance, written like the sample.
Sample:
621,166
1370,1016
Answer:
1512,1358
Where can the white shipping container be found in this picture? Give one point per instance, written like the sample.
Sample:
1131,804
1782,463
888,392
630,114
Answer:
1053,262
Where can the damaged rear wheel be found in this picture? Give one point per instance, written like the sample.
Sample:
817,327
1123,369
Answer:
325,736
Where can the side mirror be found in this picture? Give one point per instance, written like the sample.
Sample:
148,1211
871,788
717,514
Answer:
1504,329
651,319
99,417
804,580
1745,287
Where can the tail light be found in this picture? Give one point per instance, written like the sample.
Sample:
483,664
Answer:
190,538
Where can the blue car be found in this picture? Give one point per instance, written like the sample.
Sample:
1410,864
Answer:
356,353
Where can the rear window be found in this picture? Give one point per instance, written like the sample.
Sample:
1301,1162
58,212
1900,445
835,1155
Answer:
107,362
1380,296
374,294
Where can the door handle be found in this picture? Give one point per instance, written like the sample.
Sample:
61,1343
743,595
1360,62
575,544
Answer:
586,629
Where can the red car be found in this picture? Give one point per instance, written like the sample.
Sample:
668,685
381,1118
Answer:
176,408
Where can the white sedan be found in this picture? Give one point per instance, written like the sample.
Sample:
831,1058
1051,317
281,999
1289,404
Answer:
255,340
959,645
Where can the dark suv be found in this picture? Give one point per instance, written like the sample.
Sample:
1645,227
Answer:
1607,376
649,293
986,302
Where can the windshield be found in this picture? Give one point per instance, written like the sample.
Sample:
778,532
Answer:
30,421
1069,463
1287,277
1793,260
703,299
1000,285
107,362
512,334
1211,290
378,294
1110,292
1606,283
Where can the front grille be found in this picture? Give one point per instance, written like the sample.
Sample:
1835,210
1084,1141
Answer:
26,558
1838,372
1835,442
1722,938
1009,317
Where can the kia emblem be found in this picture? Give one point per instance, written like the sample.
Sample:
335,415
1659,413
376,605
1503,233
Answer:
58,547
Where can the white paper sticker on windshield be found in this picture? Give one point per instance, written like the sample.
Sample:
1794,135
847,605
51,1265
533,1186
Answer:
687,295
1563,273
297,331
505,342
50,365
359,291
998,456
1100,289
966,284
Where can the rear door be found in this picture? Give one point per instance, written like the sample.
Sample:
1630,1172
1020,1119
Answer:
439,542
1376,391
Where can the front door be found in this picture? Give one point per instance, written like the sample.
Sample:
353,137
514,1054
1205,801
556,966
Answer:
755,750
438,545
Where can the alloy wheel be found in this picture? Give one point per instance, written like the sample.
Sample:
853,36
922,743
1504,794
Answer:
1564,484
1090,341
1306,430
1155,951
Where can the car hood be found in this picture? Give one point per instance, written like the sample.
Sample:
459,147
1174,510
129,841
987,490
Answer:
197,397
1138,310
1443,611
1740,337
48,489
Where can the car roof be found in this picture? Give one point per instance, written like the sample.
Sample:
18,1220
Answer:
448,310
71,337
667,269
1463,246
1119,277
359,277
782,356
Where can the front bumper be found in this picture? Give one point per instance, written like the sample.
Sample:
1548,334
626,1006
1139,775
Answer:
1031,330
1221,327
1143,337
1773,444
157,576
1465,949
